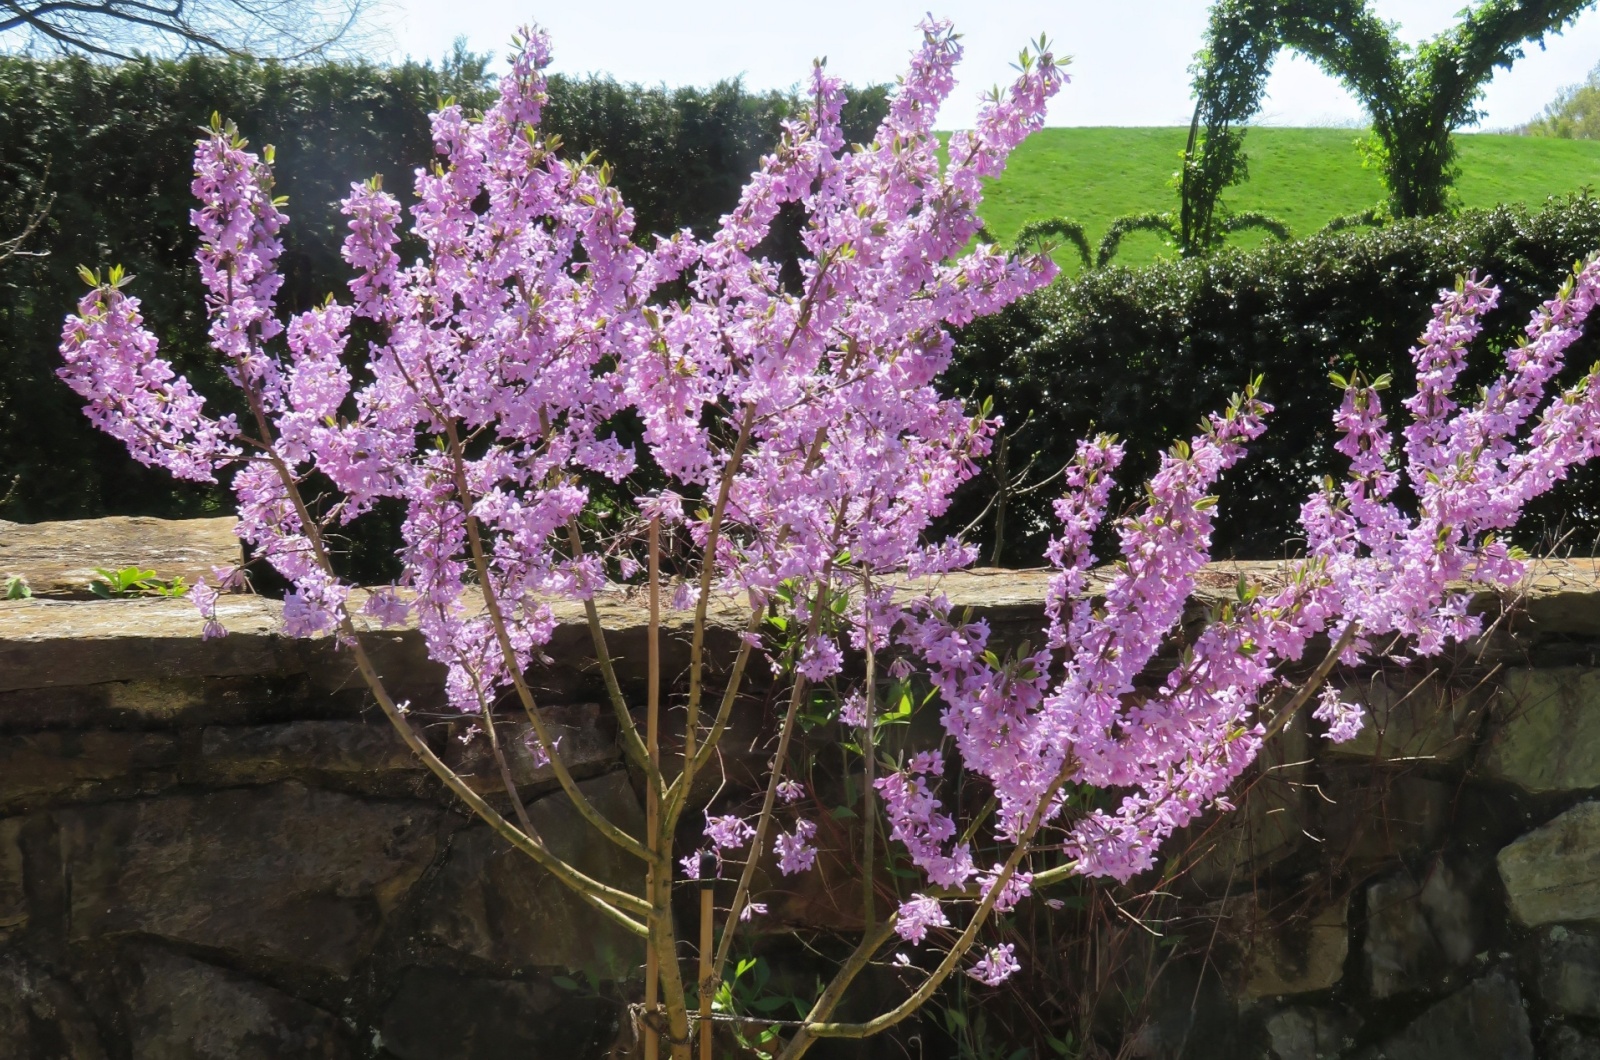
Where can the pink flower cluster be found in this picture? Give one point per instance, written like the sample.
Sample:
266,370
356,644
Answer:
536,332
796,850
1089,707
996,966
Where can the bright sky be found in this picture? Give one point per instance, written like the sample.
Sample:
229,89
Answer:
1129,67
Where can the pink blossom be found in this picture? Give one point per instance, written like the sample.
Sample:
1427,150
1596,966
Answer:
996,966
795,850
1343,719
916,916
728,832
533,334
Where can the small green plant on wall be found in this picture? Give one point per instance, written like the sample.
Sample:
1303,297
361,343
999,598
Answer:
131,581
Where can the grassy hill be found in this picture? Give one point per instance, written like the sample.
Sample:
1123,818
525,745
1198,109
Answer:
1304,177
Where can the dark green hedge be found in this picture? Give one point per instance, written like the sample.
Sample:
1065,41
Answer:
114,144
1140,352
1145,353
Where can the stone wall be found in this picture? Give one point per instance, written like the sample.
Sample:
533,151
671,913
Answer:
220,849
1429,891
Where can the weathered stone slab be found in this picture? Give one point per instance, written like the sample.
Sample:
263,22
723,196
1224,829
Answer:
493,902
1484,1021
1569,972
400,658
1286,951
1268,826
46,643
583,739
1418,932
13,896
66,642
179,1007
1412,718
1552,874
282,873
1565,1042
1561,597
440,1015
159,703
40,1016
1376,816
38,769
1301,1033
60,558
1547,735
341,750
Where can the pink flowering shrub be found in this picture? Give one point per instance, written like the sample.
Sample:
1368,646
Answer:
796,442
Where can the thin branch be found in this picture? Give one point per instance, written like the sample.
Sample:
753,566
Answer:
491,600
632,742
614,903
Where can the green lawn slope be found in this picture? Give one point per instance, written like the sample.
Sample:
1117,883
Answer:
1304,177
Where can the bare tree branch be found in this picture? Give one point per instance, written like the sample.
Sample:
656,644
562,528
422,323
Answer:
121,29
15,246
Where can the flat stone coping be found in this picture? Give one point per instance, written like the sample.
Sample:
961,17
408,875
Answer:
59,558
57,642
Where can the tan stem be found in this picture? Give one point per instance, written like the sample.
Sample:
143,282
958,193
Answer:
632,743
491,601
664,945
486,713
707,983
758,842
652,741
708,566
613,903
677,793
868,754
1313,681
815,1024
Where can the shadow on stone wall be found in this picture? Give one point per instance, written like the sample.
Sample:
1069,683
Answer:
217,849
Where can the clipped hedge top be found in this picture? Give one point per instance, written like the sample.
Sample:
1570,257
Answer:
1145,353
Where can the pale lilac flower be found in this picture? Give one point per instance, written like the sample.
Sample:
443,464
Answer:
535,747
665,505
916,916
1017,887
1343,718
795,850
728,832
685,596
387,607
998,965
821,660
532,320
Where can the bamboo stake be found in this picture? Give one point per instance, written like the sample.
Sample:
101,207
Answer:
652,1043
708,883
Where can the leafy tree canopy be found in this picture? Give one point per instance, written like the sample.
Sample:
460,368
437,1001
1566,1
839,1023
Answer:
1416,96
1573,115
